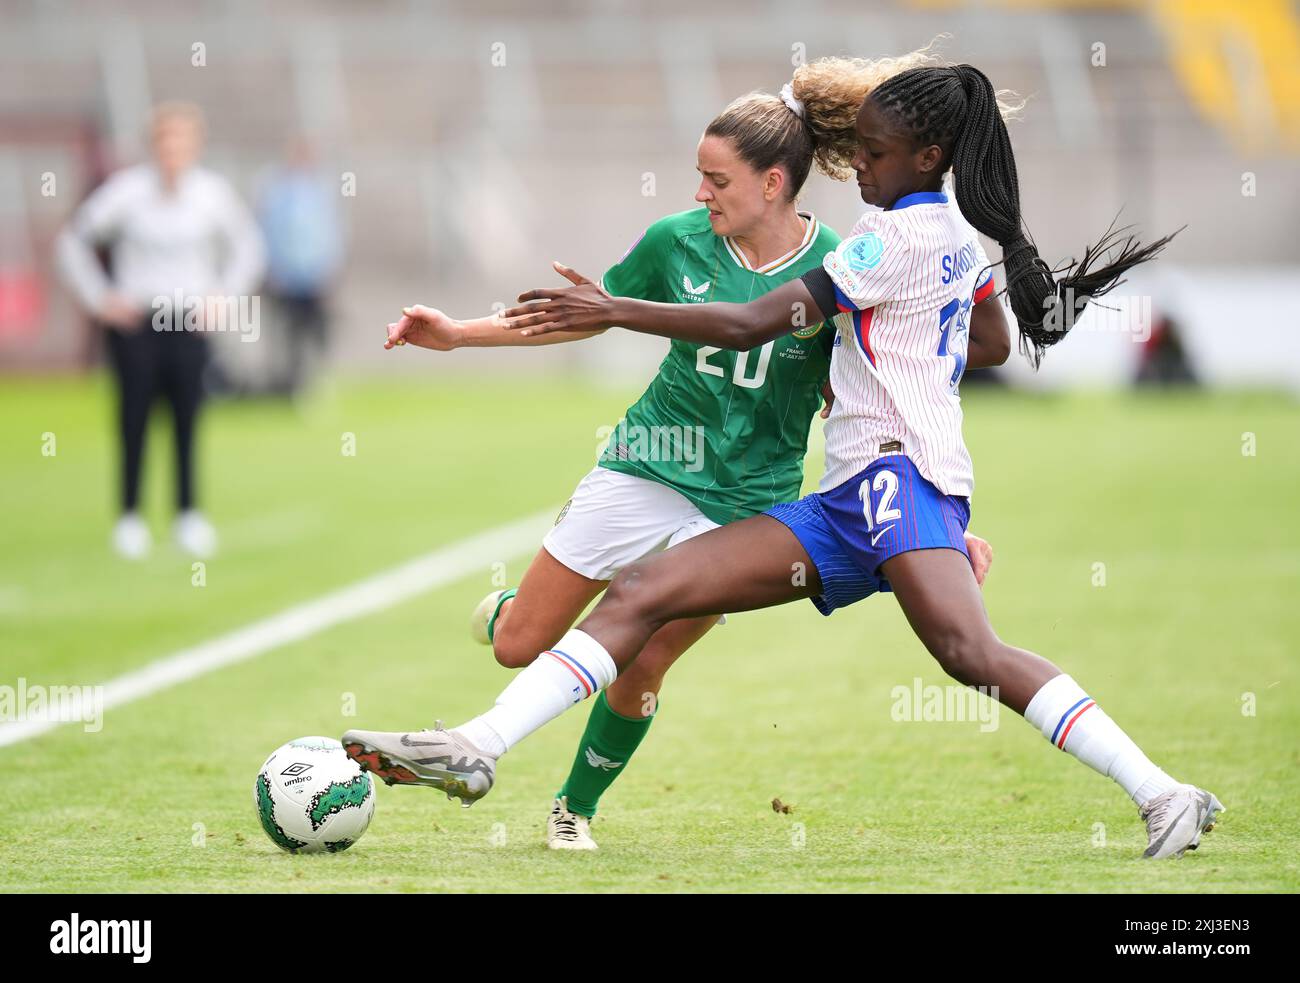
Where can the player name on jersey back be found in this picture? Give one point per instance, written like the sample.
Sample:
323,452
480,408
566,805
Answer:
905,282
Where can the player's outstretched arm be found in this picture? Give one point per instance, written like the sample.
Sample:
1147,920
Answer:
428,327
586,307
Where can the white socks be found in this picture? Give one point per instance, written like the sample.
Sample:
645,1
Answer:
1074,722
579,666
557,679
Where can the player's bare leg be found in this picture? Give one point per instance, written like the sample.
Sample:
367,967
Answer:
944,606
942,603
755,563
637,687
549,599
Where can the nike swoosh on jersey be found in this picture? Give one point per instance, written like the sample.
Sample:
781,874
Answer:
876,538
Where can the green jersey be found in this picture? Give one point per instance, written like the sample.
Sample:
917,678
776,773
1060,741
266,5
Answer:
726,429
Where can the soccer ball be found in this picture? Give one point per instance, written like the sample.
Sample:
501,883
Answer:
311,797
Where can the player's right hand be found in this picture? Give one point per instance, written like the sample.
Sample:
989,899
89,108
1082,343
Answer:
424,327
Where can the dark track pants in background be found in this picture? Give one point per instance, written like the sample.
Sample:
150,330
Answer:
146,364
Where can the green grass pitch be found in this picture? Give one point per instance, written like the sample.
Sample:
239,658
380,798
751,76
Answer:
1190,644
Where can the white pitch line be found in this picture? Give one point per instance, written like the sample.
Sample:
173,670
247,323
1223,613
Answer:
383,590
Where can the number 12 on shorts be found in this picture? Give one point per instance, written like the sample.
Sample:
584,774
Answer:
885,484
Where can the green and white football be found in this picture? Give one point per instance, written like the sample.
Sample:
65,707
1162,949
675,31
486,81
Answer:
311,797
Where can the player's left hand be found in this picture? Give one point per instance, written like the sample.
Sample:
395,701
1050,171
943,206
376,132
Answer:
582,307
424,327
981,557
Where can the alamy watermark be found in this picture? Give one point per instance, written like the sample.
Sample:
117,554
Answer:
947,704
102,936
632,442
63,704
1117,314
241,314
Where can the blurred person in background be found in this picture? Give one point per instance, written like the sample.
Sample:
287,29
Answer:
172,230
1163,359
298,212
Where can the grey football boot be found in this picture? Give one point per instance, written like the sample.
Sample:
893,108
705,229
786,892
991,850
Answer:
438,758
1176,819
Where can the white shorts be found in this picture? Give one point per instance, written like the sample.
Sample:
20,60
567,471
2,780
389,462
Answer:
614,519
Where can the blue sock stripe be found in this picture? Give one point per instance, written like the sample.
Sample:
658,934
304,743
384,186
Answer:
581,668
1061,723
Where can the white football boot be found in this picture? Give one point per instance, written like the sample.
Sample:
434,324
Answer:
438,758
483,620
195,534
567,830
131,537
1176,819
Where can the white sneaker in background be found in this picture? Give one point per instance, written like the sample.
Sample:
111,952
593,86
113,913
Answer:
131,537
195,534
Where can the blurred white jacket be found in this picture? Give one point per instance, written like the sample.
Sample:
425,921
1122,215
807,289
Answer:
200,240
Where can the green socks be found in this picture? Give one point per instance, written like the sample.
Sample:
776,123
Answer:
607,744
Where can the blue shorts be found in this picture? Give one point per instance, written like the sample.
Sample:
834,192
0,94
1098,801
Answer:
907,513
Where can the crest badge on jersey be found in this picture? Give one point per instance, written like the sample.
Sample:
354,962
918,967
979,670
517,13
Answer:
695,293
809,331
864,252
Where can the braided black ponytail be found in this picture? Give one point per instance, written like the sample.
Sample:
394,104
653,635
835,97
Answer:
956,108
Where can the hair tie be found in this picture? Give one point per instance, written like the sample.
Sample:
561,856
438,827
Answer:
1016,242
787,97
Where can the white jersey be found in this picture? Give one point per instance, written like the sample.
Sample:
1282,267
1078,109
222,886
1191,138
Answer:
905,281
